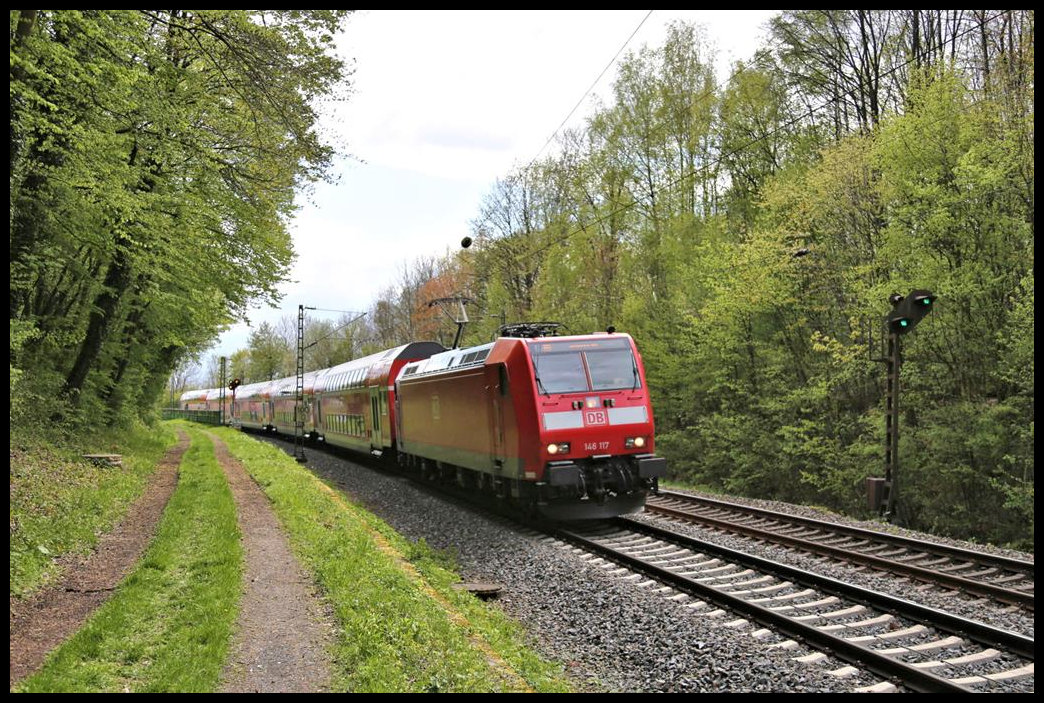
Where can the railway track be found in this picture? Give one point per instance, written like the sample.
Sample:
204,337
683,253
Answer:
999,578
905,645
884,643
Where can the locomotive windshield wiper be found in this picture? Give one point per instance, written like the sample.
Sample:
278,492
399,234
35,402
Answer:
634,368
541,386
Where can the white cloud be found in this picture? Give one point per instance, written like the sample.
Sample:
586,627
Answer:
443,104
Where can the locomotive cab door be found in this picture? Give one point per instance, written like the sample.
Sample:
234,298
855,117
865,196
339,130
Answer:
498,395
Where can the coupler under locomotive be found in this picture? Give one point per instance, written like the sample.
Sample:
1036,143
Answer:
599,487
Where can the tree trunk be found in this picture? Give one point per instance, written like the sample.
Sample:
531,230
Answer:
117,282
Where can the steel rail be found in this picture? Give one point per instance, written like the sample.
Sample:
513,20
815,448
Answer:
887,667
980,588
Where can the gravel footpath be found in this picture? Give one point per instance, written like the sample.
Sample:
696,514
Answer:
610,634
283,631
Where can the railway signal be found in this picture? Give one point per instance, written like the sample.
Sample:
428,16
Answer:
907,311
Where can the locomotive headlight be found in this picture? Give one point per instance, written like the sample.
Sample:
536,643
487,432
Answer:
558,448
631,442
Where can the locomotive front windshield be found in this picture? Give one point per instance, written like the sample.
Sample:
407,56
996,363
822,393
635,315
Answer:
584,366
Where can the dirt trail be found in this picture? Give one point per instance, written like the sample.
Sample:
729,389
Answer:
283,633
45,620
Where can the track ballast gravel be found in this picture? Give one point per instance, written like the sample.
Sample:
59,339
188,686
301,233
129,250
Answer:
610,634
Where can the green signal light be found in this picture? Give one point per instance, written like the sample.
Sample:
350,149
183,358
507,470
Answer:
908,310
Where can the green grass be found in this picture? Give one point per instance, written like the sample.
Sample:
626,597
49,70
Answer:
60,503
168,626
393,633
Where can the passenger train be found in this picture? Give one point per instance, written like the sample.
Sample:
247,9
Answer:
561,425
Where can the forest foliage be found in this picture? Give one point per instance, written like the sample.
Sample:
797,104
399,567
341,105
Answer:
747,233
155,156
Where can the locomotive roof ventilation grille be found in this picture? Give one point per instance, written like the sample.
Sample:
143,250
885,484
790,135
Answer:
474,357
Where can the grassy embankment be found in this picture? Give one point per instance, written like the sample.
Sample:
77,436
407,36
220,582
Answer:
60,503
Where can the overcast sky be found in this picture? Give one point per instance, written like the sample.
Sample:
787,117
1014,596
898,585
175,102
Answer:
443,104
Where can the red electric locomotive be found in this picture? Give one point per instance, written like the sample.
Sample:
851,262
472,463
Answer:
562,424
